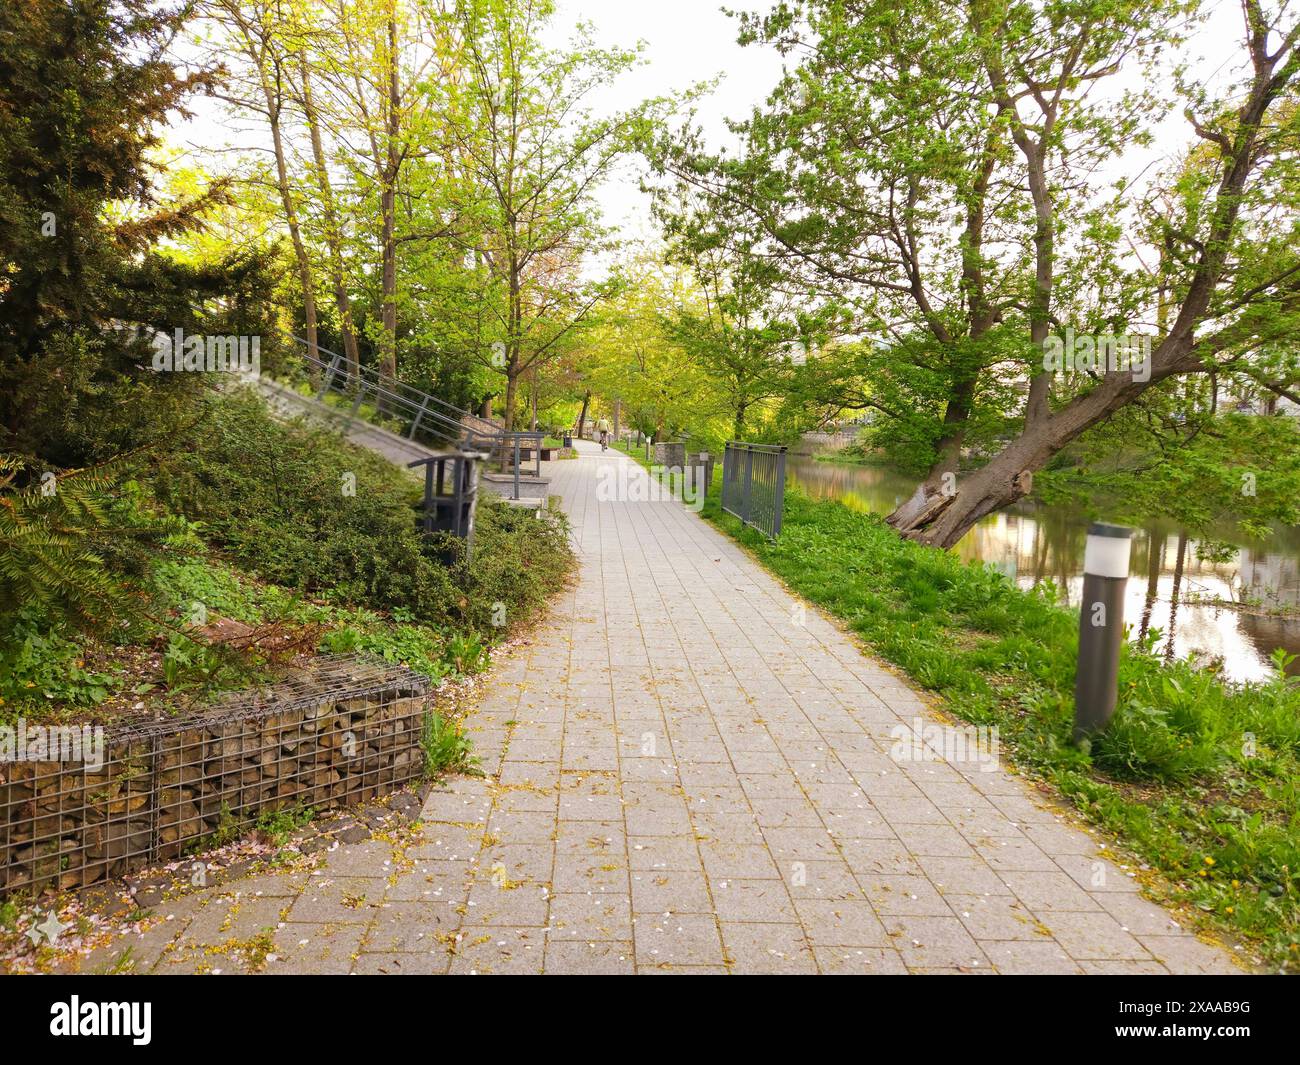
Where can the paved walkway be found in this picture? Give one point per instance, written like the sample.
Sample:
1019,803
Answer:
686,772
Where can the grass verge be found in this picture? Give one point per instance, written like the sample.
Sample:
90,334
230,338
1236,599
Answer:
1196,777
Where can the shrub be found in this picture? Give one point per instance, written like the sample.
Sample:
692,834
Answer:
274,497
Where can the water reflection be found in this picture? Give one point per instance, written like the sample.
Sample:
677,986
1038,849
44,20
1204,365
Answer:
1172,589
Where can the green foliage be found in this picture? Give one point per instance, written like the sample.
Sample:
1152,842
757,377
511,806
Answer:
520,559
423,649
278,825
273,497
1191,768
1165,459
446,747
56,537
277,499
191,666
39,668
86,89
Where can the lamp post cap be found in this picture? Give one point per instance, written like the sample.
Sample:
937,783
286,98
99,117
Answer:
1101,528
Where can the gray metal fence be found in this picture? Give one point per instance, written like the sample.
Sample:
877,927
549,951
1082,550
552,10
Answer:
753,484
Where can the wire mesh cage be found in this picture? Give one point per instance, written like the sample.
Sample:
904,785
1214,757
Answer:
344,730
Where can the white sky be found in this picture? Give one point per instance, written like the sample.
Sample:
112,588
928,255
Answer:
687,42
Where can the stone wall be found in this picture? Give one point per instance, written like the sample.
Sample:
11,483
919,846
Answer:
670,454
345,733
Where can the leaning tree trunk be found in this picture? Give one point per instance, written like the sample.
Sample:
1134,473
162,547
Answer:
1008,477
931,494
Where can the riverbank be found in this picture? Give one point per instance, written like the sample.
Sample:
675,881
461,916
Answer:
1197,778
1180,581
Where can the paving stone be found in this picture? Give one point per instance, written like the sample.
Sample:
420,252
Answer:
841,923
596,916
677,940
767,948
1139,916
315,948
1096,874
516,904
997,917
1014,854
879,856
500,951
1043,892
670,891
428,963
903,895
338,900
968,875
723,860
1038,957
584,873
430,882
681,781
752,900
410,927
831,879
662,852
934,942
859,961
584,958
1185,954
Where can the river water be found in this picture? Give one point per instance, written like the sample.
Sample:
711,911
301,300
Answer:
1171,589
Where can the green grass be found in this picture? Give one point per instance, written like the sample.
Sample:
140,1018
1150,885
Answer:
446,747
1196,777
279,825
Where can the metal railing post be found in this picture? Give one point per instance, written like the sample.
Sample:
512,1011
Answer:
356,404
424,404
748,485
329,378
516,467
778,489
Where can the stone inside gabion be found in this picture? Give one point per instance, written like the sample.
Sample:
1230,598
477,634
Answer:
343,732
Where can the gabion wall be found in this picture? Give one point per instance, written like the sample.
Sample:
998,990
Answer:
347,730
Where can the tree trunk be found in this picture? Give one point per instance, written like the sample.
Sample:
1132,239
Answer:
937,481
512,396
1155,560
534,402
582,417
388,209
274,104
333,234
1008,476
1179,561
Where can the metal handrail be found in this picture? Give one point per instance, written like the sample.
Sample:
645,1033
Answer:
409,392
434,417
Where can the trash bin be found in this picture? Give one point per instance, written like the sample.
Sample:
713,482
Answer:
568,438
